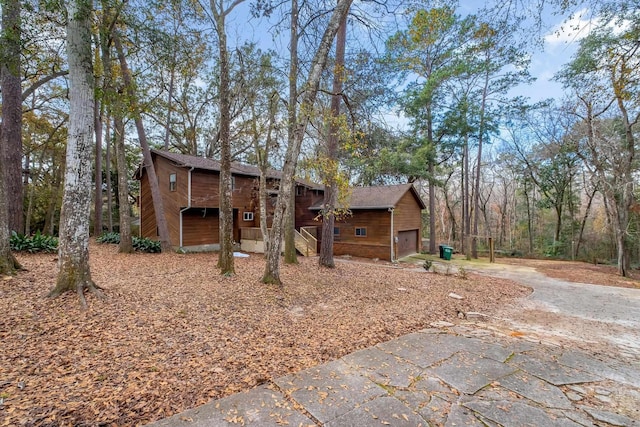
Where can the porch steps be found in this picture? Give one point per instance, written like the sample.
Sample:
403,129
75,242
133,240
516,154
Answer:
306,244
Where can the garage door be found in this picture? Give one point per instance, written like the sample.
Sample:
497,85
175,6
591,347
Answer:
407,242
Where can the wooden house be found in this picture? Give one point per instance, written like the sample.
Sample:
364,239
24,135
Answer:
385,223
190,194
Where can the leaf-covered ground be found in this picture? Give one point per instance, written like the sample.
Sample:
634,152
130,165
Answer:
173,334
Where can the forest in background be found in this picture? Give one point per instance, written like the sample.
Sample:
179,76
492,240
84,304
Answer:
426,98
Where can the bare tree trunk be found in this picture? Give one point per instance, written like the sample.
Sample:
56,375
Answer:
108,96
476,201
8,263
272,264
263,163
29,189
50,220
431,169
73,250
466,201
432,208
126,241
331,184
97,221
167,131
585,217
623,268
289,236
107,171
558,227
450,209
31,193
225,259
156,196
290,254
11,127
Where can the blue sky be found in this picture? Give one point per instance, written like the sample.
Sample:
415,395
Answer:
560,43
561,39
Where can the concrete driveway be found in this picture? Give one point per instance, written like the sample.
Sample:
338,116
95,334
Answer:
594,317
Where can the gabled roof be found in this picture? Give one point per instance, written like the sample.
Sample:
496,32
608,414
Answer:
203,163
380,197
185,160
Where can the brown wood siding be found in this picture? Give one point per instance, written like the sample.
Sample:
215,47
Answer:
172,200
306,199
148,226
362,250
377,223
200,227
376,244
205,189
246,193
407,214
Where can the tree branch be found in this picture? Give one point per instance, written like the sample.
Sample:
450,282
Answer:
27,93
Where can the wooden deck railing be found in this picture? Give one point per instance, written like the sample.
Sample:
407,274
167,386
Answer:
305,241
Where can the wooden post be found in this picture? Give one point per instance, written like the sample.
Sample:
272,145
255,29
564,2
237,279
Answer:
492,257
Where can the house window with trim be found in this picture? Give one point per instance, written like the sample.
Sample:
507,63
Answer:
361,231
233,183
247,216
172,181
336,231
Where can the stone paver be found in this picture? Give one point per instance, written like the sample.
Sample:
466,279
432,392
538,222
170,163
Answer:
380,411
423,349
611,418
383,368
550,370
258,407
510,413
467,377
536,390
468,372
330,390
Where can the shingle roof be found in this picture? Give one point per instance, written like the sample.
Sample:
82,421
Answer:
380,197
185,160
205,163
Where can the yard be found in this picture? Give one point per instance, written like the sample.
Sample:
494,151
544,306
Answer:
172,334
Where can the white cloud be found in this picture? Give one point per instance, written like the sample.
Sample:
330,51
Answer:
571,30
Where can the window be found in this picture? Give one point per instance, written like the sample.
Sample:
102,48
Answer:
361,232
336,231
300,191
233,183
247,216
172,182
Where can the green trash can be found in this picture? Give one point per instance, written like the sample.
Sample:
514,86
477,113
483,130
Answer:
447,251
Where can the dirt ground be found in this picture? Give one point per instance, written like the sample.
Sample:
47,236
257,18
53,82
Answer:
173,334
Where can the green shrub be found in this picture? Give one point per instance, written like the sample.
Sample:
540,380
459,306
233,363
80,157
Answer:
36,243
555,250
144,244
109,237
140,244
